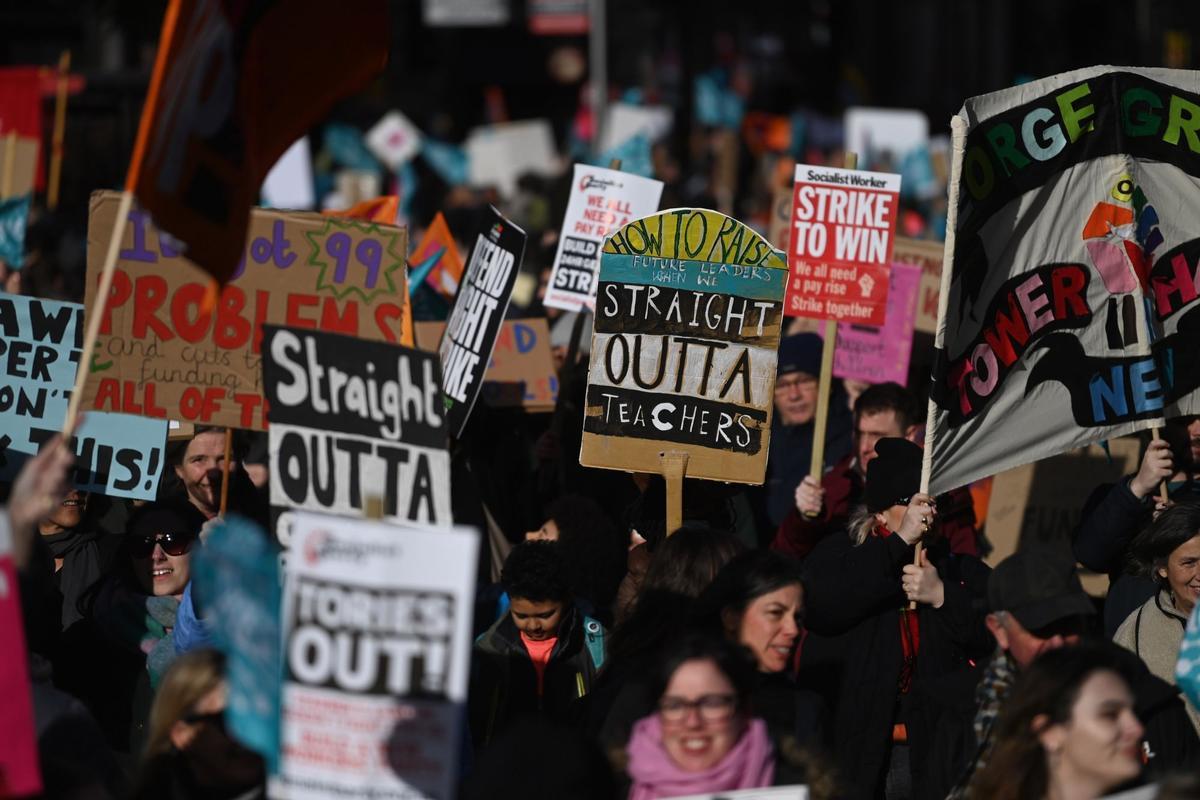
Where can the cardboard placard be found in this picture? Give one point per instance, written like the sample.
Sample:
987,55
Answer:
395,603
877,355
478,311
161,354
928,256
521,371
602,200
684,351
1038,505
352,419
40,341
843,223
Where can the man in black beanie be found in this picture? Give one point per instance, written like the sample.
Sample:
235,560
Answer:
790,456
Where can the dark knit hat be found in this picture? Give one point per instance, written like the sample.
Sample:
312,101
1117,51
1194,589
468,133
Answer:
894,475
169,517
800,352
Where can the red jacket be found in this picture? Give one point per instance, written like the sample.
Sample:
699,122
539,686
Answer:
843,485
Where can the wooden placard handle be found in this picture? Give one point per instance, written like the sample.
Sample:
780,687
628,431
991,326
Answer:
829,345
674,467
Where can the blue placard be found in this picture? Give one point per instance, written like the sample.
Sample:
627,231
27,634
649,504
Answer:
237,582
757,283
120,455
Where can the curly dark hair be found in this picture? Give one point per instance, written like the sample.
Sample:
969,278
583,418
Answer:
536,571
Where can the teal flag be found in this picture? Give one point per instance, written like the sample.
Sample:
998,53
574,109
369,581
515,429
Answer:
237,586
14,215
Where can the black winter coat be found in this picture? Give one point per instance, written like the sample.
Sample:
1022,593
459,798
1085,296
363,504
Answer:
504,682
853,653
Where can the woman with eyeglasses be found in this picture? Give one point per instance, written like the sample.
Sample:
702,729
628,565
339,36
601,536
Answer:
702,737
189,754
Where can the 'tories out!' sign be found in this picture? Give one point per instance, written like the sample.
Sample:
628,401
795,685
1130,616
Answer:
842,233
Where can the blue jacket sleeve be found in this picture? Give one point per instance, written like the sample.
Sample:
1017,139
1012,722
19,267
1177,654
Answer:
191,632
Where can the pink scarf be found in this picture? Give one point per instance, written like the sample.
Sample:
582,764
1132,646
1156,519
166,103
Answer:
749,765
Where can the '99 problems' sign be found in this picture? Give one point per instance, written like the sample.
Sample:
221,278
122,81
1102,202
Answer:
688,314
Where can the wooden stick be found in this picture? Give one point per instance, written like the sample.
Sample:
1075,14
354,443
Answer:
1155,434
373,507
816,466
97,313
10,164
225,471
60,125
674,467
958,137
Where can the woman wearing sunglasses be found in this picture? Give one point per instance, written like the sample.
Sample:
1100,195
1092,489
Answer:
133,614
702,739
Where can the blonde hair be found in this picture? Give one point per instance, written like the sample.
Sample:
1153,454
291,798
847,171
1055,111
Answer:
192,676
860,525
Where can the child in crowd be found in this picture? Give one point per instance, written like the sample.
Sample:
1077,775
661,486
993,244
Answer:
540,657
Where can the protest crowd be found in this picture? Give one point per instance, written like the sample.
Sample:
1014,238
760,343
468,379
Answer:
689,444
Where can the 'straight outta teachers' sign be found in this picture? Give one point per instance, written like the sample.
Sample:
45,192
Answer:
688,315
162,352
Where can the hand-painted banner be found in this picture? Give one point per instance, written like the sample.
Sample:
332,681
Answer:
40,340
165,350
377,627
352,419
521,372
877,355
683,356
843,223
478,311
1072,313
602,200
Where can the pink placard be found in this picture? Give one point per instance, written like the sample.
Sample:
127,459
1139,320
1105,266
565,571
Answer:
19,774
878,355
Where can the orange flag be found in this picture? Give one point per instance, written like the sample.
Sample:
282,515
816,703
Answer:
234,84
380,209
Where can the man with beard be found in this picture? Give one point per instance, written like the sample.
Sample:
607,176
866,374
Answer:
1116,512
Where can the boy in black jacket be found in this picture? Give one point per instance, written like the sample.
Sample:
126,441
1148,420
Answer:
542,655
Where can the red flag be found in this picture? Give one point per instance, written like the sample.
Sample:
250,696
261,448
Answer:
21,108
235,83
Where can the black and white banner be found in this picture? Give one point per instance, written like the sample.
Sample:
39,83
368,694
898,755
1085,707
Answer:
478,312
